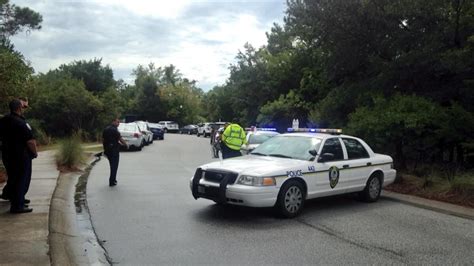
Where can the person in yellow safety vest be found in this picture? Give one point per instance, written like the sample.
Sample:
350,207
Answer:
232,138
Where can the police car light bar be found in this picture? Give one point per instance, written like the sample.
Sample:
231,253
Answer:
317,130
260,129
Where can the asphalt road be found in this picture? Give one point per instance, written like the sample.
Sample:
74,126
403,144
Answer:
152,218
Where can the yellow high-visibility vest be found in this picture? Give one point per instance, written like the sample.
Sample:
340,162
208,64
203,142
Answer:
234,136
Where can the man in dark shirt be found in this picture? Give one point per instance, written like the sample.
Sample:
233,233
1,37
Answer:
6,193
111,138
18,144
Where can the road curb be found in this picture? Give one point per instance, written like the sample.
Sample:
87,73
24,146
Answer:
67,244
433,205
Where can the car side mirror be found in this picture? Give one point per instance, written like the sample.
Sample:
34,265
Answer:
325,157
313,152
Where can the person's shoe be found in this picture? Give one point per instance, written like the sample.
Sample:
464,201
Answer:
23,210
27,201
112,184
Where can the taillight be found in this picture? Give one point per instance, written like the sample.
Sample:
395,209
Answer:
136,135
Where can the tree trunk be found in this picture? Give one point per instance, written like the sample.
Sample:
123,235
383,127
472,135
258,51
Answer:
459,154
400,158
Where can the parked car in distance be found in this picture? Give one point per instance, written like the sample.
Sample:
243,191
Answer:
132,135
256,137
188,129
207,128
157,130
169,126
147,134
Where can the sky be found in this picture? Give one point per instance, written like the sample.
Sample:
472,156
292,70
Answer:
200,37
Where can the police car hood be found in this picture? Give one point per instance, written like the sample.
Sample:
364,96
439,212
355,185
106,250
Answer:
255,165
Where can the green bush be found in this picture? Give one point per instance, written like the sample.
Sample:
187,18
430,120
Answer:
70,153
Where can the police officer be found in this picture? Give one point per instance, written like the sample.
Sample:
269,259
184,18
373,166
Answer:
18,146
111,138
28,163
232,138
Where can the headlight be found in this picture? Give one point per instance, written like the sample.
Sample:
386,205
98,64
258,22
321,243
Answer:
257,181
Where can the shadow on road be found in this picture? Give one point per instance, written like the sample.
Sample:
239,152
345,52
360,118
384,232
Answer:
243,216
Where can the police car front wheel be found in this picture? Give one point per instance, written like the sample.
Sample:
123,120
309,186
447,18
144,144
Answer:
290,199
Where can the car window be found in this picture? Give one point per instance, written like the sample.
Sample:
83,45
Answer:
127,127
295,147
355,150
333,145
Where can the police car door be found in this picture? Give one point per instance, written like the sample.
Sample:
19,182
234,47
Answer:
331,176
359,162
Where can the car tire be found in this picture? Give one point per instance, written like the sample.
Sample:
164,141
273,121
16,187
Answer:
372,190
197,134
139,148
291,199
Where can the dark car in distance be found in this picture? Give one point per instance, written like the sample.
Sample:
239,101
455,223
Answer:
189,129
157,130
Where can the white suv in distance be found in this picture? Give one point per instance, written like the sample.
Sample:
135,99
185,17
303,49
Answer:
206,128
169,126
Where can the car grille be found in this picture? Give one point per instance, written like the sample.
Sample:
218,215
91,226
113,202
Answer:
216,176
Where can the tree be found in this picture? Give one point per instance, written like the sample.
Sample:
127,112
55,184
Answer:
96,78
64,106
14,19
403,126
15,74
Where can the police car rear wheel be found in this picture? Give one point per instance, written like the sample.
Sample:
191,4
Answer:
290,199
372,190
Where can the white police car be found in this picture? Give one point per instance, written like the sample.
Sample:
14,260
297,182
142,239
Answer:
289,168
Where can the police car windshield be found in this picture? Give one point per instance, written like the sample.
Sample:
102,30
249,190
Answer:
259,138
295,147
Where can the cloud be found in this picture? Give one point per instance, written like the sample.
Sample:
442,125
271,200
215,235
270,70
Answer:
201,38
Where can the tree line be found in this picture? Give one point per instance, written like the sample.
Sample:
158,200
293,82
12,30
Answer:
397,73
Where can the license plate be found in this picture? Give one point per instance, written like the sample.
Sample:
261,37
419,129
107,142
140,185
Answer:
201,189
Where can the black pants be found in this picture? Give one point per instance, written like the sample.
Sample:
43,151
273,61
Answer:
228,152
8,191
16,183
113,162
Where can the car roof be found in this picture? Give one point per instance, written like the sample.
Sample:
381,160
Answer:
317,135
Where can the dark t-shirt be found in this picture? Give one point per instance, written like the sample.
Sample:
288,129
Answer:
15,133
110,137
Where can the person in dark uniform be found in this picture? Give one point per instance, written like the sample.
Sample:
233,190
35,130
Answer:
111,139
29,161
28,164
18,146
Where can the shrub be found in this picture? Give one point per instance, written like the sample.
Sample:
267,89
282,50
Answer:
70,153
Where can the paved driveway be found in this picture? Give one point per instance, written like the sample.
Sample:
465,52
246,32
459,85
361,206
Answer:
151,218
